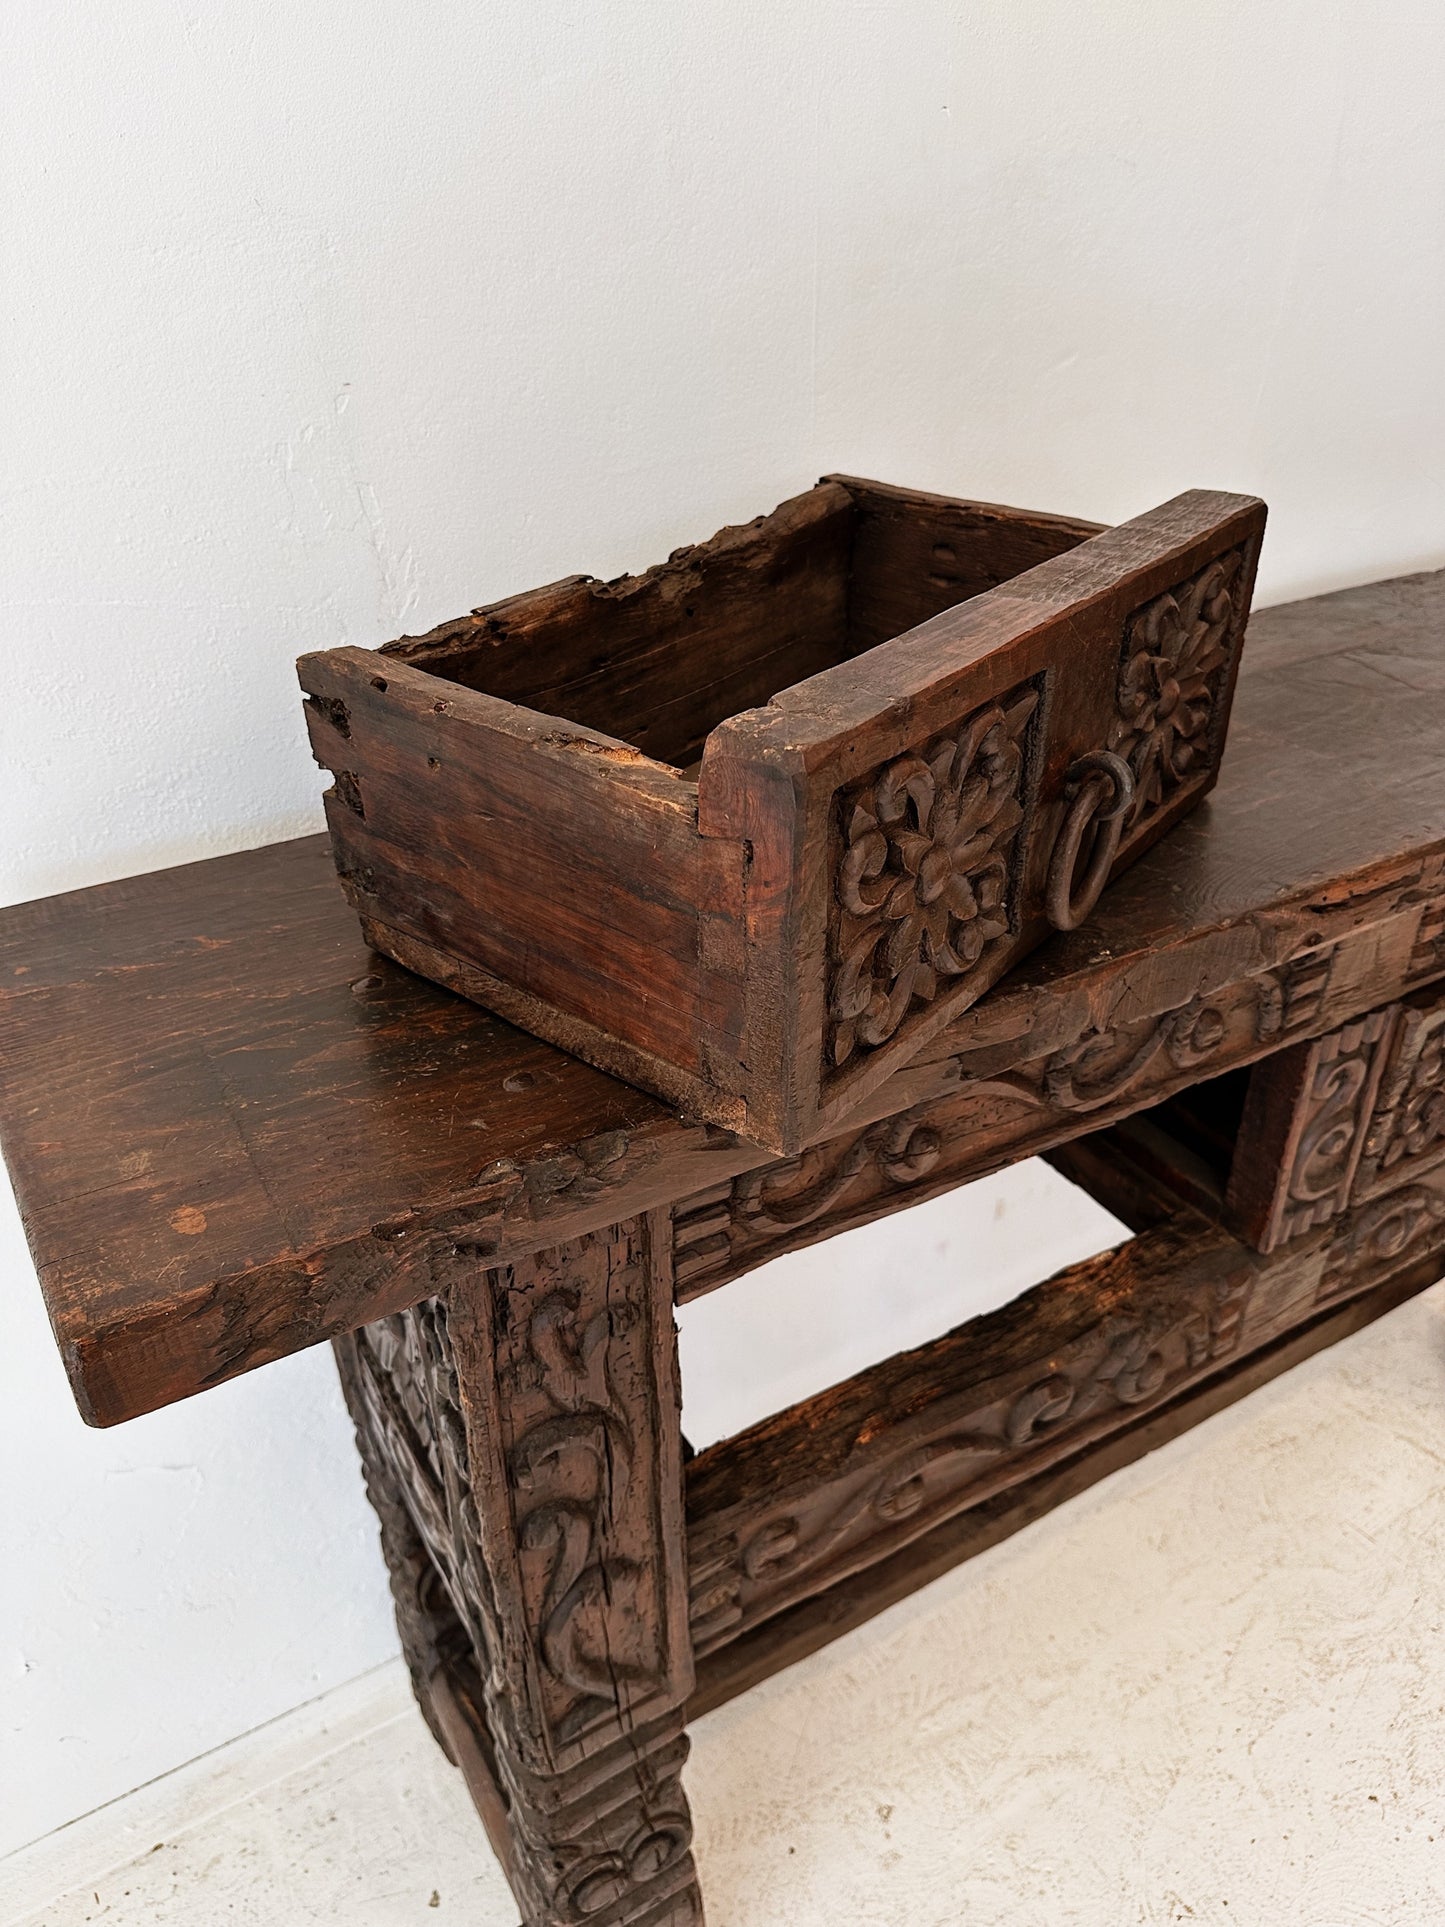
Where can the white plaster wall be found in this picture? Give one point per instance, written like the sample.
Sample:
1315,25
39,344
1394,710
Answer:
326,322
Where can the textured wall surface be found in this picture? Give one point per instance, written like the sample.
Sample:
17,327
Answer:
329,322
323,323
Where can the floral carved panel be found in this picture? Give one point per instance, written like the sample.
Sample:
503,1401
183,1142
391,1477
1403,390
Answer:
924,884
1174,671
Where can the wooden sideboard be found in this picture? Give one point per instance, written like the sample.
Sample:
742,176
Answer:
234,1132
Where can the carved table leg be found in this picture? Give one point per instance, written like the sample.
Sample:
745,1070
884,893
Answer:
427,1626
528,1418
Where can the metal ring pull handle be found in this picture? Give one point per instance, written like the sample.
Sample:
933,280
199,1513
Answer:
1104,788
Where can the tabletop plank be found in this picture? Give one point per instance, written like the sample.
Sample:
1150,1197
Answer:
233,1131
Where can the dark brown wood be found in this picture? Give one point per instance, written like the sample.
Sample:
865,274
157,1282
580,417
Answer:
914,554
1296,1303
814,1622
801,1502
860,857
1135,1170
461,794
848,789
1357,1113
657,660
233,1132
1101,1165
815,1493
842,1481
983,1123
1304,1129
520,1437
1353,1121
1405,1136
820,1516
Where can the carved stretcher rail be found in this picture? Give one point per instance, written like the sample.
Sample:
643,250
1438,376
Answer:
780,1641
519,1429
847,1479
1351,1125
789,1524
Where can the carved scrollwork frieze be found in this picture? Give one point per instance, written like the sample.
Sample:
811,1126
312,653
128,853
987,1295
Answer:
1108,1065
1108,1070
926,1471
1383,1235
717,1232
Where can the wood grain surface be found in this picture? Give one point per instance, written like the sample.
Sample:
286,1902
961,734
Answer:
235,1132
877,826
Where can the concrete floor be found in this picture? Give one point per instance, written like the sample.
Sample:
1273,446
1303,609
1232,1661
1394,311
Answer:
1210,1690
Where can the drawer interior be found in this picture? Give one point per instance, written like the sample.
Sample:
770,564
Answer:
658,660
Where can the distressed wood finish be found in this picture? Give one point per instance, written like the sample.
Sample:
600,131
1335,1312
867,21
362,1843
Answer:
1304,1129
520,1438
1354,1115
1406,1132
982,1124
781,1640
818,1517
859,856
791,1635
845,1480
233,1132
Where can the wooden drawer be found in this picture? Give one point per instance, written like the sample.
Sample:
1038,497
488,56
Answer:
589,809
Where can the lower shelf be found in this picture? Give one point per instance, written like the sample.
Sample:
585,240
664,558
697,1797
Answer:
811,1624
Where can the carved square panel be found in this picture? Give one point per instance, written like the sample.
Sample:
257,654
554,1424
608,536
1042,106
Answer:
926,881
1174,669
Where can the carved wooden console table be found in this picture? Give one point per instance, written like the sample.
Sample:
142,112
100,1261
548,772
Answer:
235,1133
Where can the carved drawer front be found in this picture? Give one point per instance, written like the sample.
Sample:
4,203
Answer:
591,809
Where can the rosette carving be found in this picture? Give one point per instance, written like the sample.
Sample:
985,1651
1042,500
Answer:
1172,673
923,886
